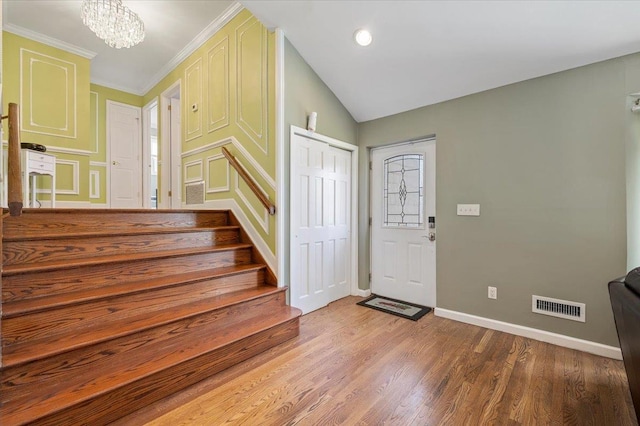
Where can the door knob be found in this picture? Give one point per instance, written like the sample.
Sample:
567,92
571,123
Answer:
115,163
432,236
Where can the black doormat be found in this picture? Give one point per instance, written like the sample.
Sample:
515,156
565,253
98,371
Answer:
395,307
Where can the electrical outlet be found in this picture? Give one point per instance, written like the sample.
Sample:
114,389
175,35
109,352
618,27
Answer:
492,292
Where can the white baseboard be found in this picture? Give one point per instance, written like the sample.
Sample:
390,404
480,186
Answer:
361,293
66,204
99,205
261,246
533,333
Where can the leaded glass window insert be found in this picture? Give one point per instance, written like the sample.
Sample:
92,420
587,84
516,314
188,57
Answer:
403,197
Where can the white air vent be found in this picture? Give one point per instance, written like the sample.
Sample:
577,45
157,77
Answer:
559,308
194,193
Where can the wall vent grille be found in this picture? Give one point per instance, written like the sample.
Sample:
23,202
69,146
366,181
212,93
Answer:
559,308
194,193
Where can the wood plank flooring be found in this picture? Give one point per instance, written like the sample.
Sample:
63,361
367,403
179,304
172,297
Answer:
353,365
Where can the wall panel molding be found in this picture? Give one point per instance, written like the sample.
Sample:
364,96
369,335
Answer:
94,184
251,71
223,186
218,85
189,167
193,101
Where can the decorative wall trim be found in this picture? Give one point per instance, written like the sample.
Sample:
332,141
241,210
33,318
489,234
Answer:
282,218
49,41
98,206
247,156
94,184
69,130
195,163
110,85
192,104
262,220
98,163
259,135
75,189
74,151
533,333
97,107
221,118
68,204
253,233
198,41
213,189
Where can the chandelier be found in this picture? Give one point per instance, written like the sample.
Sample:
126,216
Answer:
113,22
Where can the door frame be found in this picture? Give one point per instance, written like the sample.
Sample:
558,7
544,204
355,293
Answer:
430,138
108,147
353,274
146,151
170,150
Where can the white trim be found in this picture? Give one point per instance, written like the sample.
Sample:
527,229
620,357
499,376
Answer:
189,104
166,161
97,120
63,150
99,206
362,293
533,333
281,167
94,184
246,224
224,121
75,190
98,163
295,130
264,220
49,41
146,151
247,156
110,85
194,44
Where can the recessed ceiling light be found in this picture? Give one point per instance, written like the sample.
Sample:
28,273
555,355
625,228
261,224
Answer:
363,37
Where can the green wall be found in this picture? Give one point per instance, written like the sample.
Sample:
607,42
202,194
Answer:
305,92
545,159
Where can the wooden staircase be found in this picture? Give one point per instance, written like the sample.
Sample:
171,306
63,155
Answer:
107,311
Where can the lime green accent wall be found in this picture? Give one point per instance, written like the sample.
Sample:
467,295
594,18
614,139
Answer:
52,88
228,90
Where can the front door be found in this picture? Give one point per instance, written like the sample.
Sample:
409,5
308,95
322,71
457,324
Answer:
124,139
403,255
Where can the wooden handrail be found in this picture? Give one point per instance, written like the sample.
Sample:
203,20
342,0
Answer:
14,174
250,182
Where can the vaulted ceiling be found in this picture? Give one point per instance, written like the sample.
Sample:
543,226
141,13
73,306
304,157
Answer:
423,52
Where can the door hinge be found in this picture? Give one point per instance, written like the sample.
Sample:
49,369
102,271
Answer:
169,107
169,193
370,221
370,165
369,276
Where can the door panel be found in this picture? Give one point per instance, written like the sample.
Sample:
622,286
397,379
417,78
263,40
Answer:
402,200
320,228
125,149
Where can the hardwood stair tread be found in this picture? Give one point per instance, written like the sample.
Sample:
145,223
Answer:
65,264
24,306
111,231
22,352
147,360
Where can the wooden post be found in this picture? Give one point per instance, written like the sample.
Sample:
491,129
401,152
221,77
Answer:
14,173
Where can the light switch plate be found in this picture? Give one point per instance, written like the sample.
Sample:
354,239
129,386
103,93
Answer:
468,209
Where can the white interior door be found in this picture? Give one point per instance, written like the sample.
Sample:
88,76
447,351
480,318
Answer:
176,160
124,139
403,258
320,223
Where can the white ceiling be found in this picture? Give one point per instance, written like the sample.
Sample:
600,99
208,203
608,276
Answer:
170,26
423,52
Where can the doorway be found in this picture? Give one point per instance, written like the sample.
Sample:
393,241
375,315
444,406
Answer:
323,255
170,163
150,155
403,246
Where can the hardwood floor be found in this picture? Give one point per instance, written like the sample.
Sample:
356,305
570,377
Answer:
354,365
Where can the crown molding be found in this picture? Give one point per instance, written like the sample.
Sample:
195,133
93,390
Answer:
110,85
194,44
49,41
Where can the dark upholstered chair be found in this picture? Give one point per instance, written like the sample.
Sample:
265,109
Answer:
625,301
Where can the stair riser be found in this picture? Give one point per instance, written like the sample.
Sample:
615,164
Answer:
63,319
147,349
109,407
35,222
26,286
20,252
